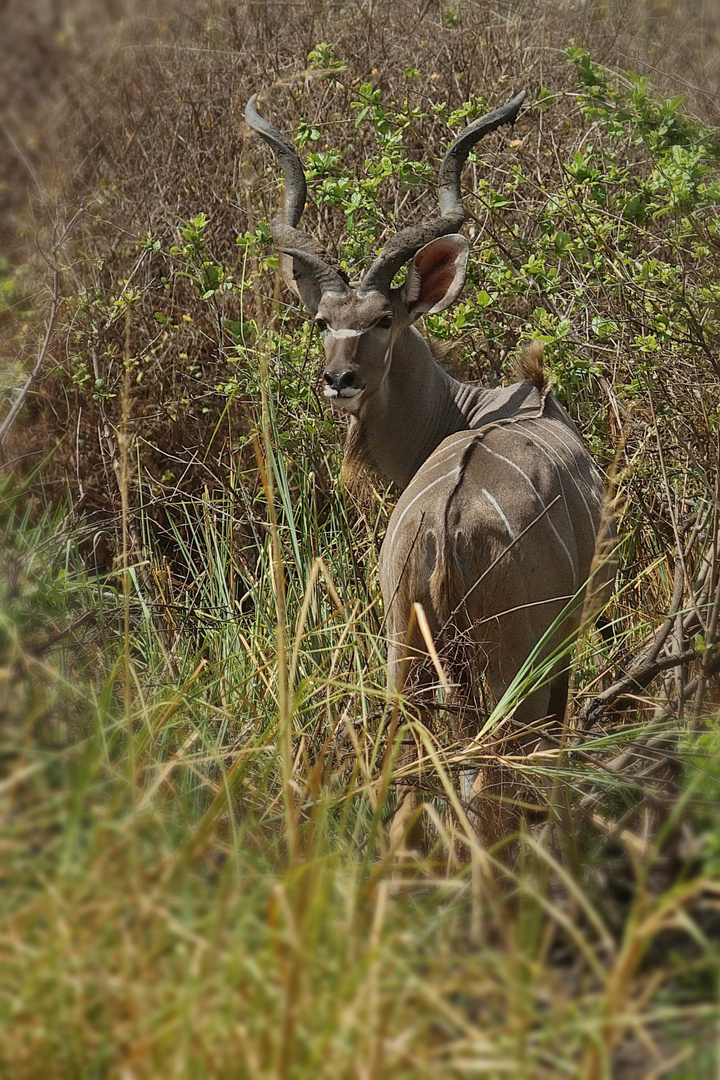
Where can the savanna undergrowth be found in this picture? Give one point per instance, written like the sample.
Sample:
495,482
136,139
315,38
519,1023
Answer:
198,759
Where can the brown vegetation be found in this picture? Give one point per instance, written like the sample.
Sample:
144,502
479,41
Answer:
122,121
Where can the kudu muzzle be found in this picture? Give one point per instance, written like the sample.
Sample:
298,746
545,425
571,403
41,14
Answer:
340,380
342,372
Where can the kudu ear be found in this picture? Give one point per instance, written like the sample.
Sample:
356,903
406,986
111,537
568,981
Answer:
436,275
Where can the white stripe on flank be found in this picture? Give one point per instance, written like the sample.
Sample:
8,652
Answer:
436,460
550,449
554,458
500,511
448,448
412,502
592,464
442,454
540,500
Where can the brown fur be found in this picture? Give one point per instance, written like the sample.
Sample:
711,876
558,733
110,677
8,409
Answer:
447,586
530,367
358,465
358,472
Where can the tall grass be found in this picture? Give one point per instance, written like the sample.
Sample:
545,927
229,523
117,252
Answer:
198,758
196,789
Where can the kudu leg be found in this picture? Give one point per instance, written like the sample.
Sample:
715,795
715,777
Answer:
557,703
543,712
491,792
406,828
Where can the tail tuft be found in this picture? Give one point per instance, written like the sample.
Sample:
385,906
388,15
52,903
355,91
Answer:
530,366
447,586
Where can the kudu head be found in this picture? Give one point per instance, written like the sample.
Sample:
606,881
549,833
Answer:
360,322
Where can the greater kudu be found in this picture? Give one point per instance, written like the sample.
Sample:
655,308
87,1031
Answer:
495,530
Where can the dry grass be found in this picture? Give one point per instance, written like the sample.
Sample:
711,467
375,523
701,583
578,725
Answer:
193,893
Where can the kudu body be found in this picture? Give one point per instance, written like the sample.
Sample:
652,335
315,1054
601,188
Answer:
495,529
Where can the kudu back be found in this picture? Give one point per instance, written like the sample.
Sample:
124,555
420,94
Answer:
495,530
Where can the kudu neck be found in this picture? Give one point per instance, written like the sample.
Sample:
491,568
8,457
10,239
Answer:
416,407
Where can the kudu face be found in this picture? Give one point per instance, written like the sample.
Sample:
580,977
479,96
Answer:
357,334
360,323
359,328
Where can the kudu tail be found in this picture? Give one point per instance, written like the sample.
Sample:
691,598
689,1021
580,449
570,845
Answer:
447,584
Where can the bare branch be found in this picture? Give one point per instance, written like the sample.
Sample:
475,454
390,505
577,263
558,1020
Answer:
16,407
638,677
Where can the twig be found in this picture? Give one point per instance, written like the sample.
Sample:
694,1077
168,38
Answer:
19,401
638,676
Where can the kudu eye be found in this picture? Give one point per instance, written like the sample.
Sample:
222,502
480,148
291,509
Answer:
385,323
321,325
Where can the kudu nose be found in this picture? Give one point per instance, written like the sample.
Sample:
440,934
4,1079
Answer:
339,380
